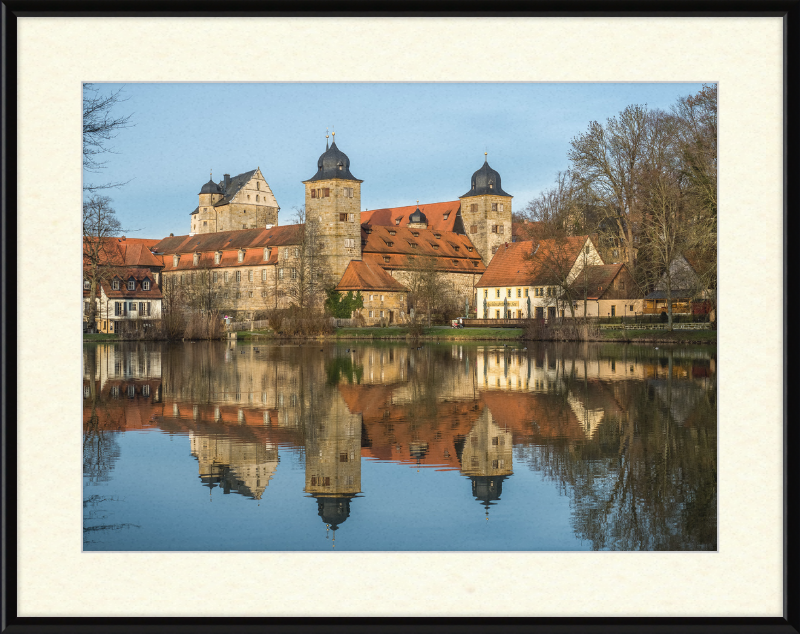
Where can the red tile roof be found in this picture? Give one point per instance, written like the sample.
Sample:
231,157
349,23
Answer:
598,279
453,251
513,263
228,243
222,240
139,274
361,275
435,212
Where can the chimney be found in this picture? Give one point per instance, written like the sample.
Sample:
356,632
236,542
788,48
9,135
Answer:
122,239
171,235
227,181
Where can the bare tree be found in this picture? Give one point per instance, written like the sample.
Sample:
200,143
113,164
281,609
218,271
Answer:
307,279
102,257
202,293
100,125
428,286
609,159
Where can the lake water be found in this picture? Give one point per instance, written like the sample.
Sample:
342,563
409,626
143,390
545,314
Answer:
358,446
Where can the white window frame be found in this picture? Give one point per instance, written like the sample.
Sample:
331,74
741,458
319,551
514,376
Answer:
146,285
131,282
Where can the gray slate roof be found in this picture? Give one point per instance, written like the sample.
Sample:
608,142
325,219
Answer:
237,182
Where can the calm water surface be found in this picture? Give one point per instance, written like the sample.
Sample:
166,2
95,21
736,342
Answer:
360,446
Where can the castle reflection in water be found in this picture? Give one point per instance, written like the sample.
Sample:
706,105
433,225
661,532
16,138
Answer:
471,409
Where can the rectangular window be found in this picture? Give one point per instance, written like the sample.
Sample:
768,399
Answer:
381,313
294,274
313,193
500,229
508,292
519,292
263,275
115,285
131,306
141,308
631,308
526,292
473,229
131,285
280,274
473,207
146,285
326,192
215,276
486,292
216,258
494,206
148,309
117,309
238,276
494,228
86,285
613,311
500,207
250,293
498,292
342,217
249,276
349,242
381,300
370,313
225,276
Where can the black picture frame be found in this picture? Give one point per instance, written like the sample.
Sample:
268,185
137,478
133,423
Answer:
13,624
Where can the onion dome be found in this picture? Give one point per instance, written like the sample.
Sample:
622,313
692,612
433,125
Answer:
486,181
333,163
210,188
418,216
333,510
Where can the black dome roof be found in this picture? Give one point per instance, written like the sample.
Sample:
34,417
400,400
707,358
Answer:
485,181
333,510
487,489
333,163
418,216
210,188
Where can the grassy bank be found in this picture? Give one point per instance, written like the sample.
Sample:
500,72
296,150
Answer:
449,334
100,336
659,336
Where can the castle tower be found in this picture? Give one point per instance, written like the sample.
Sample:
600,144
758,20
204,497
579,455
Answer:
486,211
333,462
333,212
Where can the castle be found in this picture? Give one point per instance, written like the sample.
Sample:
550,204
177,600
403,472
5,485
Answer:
238,248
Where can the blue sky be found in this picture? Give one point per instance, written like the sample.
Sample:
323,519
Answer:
405,141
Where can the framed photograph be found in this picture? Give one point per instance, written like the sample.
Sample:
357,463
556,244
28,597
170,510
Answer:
399,321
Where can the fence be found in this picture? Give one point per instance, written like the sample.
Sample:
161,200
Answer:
657,326
337,322
248,325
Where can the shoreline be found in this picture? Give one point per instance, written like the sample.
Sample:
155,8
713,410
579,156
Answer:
684,337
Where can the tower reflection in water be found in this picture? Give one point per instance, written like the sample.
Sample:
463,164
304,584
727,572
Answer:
568,413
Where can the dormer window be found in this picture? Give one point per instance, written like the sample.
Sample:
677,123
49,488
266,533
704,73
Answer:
392,233
175,260
475,263
469,249
437,236
446,216
115,285
455,261
266,253
389,243
456,248
415,234
146,285
435,246
413,245
386,258
397,222
131,285
196,259
241,255
86,285
217,257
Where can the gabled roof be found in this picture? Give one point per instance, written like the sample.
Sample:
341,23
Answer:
434,212
229,191
363,276
598,279
451,250
239,239
128,252
139,274
512,264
